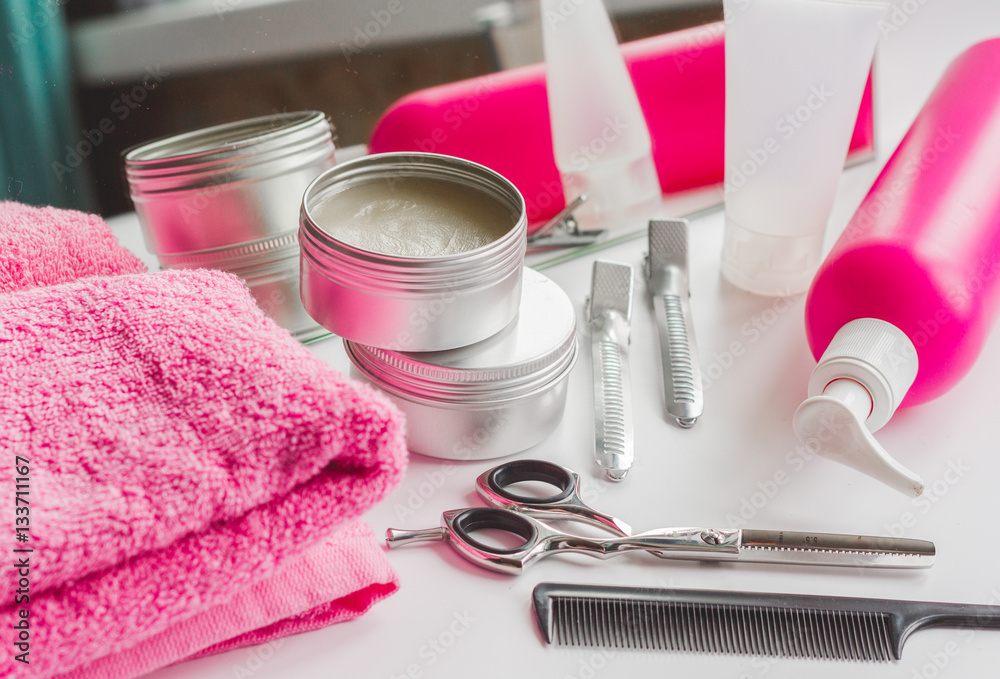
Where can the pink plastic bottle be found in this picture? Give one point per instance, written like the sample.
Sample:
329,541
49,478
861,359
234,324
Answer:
902,305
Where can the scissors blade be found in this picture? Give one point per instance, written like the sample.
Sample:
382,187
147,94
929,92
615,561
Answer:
830,549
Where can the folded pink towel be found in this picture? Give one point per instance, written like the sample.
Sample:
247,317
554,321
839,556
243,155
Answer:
335,581
180,449
45,246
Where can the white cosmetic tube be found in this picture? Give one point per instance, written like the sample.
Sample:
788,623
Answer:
795,74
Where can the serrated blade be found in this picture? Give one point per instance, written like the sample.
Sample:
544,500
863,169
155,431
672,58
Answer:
831,549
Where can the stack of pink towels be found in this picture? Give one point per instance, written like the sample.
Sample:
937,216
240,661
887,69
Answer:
193,474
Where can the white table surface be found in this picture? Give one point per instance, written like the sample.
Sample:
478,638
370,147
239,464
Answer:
451,619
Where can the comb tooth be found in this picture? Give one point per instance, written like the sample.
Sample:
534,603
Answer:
828,639
563,619
687,638
886,639
705,627
600,629
746,633
727,629
813,635
610,627
621,637
718,628
564,609
704,630
886,654
861,634
742,636
654,627
858,637
559,625
647,620
753,631
670,626
767,631
797,622
697,644
801,621
862,630
782,634
865,622
577,630
775,622
844,637
837,644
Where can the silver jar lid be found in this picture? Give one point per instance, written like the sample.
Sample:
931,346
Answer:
256,148
538,347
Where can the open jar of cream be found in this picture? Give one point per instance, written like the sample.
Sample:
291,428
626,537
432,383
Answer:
412,252
497,397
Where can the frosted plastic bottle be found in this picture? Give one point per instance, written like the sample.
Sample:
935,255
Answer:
795,76
902,305
599,135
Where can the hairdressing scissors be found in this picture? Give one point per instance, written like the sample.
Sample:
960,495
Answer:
524,517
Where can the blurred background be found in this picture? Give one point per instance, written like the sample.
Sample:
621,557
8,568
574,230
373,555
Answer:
83,80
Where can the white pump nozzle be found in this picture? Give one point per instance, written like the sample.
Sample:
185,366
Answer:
854,390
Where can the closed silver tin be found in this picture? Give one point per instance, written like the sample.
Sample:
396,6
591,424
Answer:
494,398
412,303
227,197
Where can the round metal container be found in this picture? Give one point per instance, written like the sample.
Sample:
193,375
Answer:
497,397
412,303
227,197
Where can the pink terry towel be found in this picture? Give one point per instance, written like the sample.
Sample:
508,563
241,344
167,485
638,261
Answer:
45,246
183,460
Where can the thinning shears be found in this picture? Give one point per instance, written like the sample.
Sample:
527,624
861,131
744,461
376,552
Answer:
524,517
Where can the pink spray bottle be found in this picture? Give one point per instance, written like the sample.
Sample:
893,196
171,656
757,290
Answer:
902,305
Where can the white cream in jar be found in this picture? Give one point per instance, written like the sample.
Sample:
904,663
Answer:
415,217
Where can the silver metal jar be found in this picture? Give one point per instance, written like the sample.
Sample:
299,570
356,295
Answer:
227,197
497,397
412,303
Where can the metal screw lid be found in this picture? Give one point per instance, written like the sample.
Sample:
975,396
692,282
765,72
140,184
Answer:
538,346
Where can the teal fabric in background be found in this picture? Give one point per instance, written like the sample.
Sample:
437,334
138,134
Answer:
39,132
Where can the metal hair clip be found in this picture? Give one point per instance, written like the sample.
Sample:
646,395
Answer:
667,280
609,313
562,231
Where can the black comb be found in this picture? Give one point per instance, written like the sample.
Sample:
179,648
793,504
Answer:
742,623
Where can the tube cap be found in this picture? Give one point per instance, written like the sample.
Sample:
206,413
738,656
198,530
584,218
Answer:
769,265
855,388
